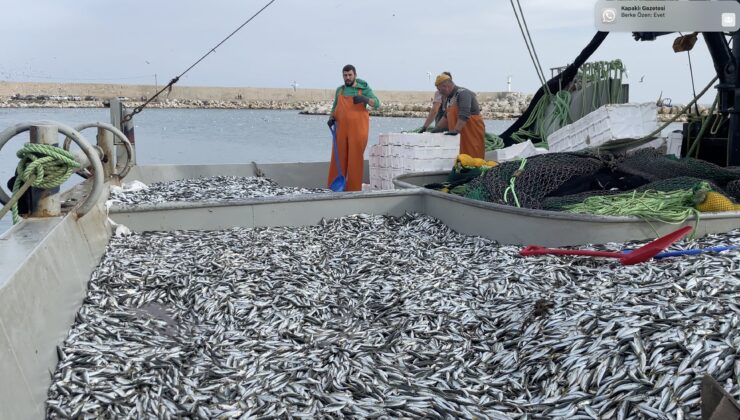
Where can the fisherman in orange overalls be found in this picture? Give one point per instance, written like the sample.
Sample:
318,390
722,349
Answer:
462,116
352,120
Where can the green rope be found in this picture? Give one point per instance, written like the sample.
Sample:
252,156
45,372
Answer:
605,78
672,207
494,142
41,166
511,186
561,115
538,124
524,133
704,125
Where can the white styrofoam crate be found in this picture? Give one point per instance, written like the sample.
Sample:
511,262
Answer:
379,173
401,153
442,153
674,142
397,162
423,165
605,124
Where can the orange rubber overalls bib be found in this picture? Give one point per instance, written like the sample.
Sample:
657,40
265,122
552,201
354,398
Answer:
353,123
472,135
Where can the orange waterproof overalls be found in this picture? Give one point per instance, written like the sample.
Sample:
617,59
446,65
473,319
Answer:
353,123
472,135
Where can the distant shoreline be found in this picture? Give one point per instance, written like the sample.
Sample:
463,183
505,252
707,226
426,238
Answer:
415,104
496,105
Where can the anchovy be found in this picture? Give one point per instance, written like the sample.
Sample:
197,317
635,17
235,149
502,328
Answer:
383,317
215,188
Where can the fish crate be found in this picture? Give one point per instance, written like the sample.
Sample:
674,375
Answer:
401,153
607,123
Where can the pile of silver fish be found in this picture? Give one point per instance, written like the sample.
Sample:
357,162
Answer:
215,188
386,317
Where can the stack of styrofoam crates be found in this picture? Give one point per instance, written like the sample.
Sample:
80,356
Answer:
607,123
402,153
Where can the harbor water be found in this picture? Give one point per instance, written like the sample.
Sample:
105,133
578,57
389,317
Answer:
197,136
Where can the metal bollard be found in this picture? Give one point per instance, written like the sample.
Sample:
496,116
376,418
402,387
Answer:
45,203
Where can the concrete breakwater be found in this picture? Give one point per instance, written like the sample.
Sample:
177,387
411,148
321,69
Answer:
392,109
496,105
415,104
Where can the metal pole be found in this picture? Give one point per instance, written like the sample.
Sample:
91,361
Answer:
117,112
733,138
128,130
45,203
105,142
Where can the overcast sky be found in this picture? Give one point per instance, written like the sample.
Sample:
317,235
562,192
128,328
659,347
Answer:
393,44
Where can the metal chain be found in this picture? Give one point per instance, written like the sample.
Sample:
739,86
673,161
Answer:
169,85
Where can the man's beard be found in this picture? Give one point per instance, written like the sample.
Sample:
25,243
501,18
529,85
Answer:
349,83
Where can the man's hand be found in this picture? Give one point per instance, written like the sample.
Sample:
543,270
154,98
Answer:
331,122
359,99
423,129
451,133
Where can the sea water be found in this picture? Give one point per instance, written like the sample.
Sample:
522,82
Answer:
197,136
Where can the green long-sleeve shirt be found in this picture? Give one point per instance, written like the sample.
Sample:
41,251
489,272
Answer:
354,91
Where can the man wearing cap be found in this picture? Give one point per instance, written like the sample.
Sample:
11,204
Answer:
462,116
352,120
437,111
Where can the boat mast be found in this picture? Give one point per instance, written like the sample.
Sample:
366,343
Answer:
733,140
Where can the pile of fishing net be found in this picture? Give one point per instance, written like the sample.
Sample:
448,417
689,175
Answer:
583,182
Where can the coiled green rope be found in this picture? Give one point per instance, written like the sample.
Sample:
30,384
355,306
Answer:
538,125
493,142
41,166
605,79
